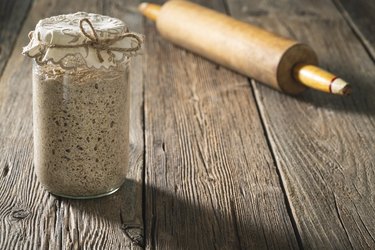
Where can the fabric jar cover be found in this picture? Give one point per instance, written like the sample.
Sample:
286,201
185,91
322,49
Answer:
82,39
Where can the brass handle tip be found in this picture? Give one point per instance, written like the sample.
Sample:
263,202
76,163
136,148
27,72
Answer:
149,10
319,79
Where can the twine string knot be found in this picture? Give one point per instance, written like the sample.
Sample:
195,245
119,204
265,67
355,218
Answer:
101,44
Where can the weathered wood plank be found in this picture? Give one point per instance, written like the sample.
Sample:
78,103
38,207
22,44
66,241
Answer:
12,15
324,145
132,214
29,216
360,16
211,182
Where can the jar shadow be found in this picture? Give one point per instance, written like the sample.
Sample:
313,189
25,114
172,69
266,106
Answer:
173,222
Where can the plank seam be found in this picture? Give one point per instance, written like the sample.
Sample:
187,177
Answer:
269,144
234,218
341,221
143,109
226,7
59,223
356,31
287,204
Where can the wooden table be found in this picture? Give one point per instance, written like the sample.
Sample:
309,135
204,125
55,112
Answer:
217,160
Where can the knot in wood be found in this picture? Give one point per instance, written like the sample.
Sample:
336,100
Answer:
20,213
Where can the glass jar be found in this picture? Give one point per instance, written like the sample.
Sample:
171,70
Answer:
81,97
81,129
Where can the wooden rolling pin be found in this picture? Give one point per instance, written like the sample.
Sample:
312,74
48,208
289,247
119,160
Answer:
283,64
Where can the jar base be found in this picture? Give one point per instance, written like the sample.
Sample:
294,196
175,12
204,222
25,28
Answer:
86,197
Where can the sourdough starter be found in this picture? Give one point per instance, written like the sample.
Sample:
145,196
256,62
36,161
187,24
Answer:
81,129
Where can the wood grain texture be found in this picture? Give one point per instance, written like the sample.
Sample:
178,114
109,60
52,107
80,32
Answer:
12,15
132,215
30,218
324,145
211,182
361,18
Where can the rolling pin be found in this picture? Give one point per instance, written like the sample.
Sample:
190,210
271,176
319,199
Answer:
283,64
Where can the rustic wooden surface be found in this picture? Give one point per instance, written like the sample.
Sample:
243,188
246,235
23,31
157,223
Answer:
217,160
30,217
12,15
359,15
323,145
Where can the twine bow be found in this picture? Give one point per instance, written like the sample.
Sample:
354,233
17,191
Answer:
104,44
